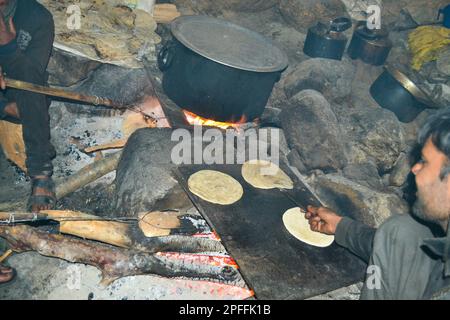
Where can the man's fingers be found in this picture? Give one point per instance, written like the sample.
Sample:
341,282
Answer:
312,210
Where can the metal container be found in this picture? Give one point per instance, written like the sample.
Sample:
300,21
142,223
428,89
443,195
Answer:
219,70
371,46
446,12
327,40
394,91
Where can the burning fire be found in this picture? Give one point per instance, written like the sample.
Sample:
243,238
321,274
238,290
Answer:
194,119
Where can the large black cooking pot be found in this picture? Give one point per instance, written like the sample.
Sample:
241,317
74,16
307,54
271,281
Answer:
219,70
394,91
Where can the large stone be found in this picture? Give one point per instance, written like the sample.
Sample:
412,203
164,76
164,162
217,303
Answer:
217,7
401,170
365,174
144,171
374,134
422,11
306,13
122,85
358,8
330,77
66,69
443,62
352,199
311,127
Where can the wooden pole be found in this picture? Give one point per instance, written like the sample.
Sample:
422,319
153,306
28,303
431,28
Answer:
54,92
88,174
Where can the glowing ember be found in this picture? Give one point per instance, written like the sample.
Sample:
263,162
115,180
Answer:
194,119
190,258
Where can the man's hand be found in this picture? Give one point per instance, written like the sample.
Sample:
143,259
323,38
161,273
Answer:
322,220
7,34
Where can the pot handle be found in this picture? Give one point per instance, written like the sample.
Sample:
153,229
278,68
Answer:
165,57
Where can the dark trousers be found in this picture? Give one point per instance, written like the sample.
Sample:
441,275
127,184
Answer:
34,117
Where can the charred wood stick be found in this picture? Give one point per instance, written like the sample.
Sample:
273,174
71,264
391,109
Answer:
113,262
54,92
112,145
13,216
88,174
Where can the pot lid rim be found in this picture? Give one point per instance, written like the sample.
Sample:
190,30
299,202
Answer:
282,61
409,85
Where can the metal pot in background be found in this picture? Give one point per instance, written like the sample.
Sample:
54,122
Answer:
371,46
446,13
394,91
219,70
327,40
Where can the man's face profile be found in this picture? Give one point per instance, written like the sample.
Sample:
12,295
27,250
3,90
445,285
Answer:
433,193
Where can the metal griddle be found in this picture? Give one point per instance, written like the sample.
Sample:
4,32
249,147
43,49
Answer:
273,263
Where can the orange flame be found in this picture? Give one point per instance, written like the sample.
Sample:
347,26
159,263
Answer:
194,119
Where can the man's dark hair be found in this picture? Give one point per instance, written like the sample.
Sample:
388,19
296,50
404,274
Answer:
437,128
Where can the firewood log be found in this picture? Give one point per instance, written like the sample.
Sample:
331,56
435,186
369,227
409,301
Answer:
113,262
115,233
152,232
165,13
11,141
88,174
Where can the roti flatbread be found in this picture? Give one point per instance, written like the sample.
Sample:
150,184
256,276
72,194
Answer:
295,222
215,187
265,175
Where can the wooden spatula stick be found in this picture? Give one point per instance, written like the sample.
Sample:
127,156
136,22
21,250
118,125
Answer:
54,92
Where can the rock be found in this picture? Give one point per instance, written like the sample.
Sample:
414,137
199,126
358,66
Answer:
443,63
358,8
374,135
66,69
144,174
144,171
401,171
330,77
422,11
295,160
217,7
412,129
276,141
357,201
306,13
365,174
122,85
311,127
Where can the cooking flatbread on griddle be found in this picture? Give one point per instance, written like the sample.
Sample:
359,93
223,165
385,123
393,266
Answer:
295,222
215,187
265,175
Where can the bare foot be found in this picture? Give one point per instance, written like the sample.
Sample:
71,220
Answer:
6,274
42,197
